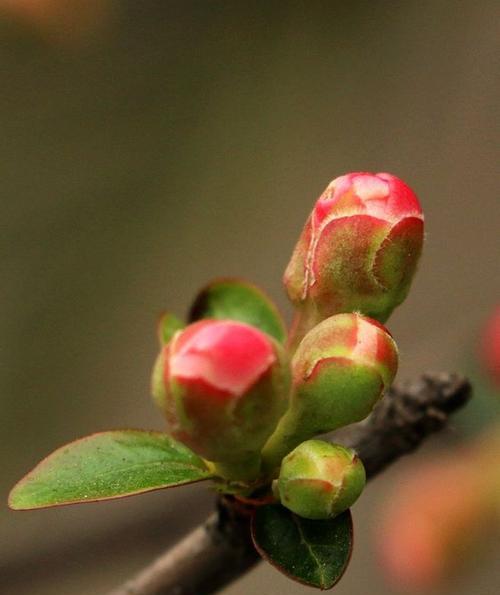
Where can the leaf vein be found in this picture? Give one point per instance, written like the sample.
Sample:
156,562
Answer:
170,464
310,550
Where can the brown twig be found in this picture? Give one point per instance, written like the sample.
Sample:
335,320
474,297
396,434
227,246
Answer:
221,550
406,415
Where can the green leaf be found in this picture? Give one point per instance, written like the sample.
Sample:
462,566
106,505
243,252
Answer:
108,465
168,325
315,553
234,299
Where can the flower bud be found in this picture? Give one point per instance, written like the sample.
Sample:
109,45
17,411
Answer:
223,386
319,480
358,250
339,372
490,346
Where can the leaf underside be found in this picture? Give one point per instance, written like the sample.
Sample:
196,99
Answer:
315,553
235,299
108,465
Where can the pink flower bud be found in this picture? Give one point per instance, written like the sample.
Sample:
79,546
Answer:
359,248
490,346
224,386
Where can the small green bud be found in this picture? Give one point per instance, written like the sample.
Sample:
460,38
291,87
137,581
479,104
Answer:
319,480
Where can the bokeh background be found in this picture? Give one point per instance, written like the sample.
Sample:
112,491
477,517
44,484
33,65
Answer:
148,146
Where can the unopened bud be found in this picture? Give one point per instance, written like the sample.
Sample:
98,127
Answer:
319,480
490,346
358,251
339,372
223,386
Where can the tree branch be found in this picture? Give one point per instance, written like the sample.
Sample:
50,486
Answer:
407,414
221,550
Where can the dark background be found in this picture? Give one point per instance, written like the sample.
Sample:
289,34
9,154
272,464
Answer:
150,146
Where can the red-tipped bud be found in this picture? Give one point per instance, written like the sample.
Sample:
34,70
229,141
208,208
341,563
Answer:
339,372
490,346
223,386
359,248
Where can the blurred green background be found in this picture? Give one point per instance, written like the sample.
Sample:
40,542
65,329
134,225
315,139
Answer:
148,146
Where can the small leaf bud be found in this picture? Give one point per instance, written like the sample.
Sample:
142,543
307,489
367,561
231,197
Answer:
319,480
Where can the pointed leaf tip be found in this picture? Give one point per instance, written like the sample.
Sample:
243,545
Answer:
315,553
168,325
108,465
235,299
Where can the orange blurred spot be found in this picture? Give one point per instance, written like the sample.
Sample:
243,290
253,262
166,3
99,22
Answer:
435,516
60,21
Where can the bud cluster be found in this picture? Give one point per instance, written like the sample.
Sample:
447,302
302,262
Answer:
250,402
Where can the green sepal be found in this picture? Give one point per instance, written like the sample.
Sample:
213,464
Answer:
168,325
108,465
315,553
234,299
